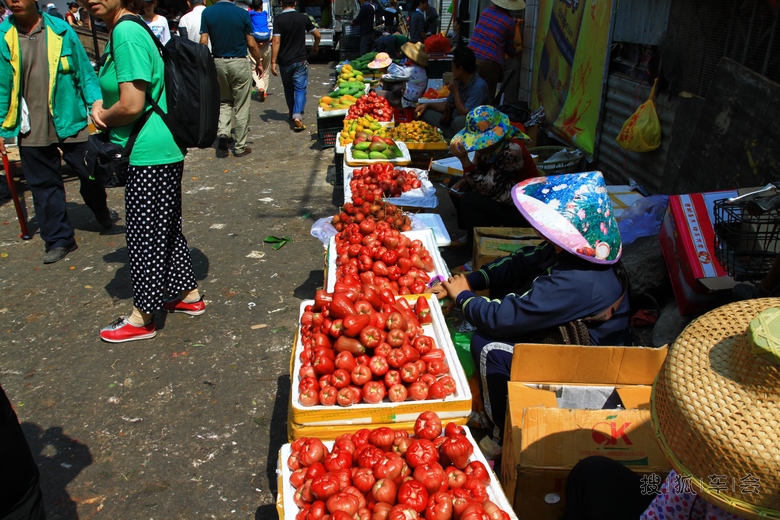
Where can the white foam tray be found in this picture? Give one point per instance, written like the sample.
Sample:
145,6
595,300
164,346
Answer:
422,197
289,509
426,236
434,222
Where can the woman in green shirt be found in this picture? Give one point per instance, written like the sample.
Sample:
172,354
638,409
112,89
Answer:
160,262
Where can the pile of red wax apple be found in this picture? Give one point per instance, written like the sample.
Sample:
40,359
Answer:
375,254
384,474
362,345
371,207
382,180
372,105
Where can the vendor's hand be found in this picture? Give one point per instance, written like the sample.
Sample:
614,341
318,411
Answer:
458,150
456,285
461,185
419,109
453,86
97,115
3,151
273,69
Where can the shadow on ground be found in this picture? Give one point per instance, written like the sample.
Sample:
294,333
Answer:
60,459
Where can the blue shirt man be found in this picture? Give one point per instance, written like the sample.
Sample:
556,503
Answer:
417,23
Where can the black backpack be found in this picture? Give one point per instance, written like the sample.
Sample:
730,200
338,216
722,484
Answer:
191,88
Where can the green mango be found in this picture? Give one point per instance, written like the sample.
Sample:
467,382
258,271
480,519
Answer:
359,154
395,151
363,146
377,155
336,93
378,147
360,94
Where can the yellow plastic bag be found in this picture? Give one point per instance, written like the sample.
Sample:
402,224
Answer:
642,131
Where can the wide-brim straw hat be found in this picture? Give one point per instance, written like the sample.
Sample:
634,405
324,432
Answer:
512,5
716,408
416,53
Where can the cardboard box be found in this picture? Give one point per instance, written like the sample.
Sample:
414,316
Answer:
687,239
543,441
492,243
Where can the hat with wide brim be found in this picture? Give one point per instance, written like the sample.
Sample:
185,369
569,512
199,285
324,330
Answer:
381,61
573,211
716,409
511,5
416,53
485,126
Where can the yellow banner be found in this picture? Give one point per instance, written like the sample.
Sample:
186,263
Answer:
570,52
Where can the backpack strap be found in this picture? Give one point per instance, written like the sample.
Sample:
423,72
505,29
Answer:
154,104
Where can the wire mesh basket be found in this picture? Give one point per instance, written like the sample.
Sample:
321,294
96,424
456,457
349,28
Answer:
746,242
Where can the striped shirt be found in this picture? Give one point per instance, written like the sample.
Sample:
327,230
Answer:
494,35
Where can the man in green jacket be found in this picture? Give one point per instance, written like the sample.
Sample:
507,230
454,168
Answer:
48,91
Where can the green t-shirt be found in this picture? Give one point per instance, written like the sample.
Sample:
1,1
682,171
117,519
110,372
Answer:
137,58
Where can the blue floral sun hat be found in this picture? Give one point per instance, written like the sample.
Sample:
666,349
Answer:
574,212
485,126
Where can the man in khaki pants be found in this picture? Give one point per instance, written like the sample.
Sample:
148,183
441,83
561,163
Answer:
230,31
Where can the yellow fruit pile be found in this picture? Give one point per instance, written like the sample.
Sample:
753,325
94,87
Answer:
367,124
416,132
340,103
347,74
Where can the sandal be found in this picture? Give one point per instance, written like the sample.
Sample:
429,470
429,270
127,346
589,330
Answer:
299,126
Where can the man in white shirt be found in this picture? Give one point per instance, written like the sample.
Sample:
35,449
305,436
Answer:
190,22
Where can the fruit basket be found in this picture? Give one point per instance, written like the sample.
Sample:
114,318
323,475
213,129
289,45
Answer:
287,508
331,421
404,158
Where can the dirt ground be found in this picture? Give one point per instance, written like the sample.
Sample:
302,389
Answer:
188,424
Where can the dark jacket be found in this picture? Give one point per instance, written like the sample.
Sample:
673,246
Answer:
535,289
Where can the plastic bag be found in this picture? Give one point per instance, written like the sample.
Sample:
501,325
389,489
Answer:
462,342
642,131
643,218
437,44
322,230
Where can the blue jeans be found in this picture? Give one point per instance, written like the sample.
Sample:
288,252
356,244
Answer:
294,79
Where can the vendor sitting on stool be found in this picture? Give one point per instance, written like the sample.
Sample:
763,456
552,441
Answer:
567,281
467,91
482,196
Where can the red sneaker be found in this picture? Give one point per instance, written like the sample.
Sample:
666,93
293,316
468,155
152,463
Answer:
122,330
195,308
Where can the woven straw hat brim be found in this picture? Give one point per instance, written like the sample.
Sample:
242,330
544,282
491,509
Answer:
512,5
716,412
415,53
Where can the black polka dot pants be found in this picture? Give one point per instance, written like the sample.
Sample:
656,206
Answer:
160,262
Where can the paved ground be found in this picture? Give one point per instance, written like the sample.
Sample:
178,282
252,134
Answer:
189,424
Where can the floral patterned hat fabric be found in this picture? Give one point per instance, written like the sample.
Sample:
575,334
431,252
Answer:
574,212
485,126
